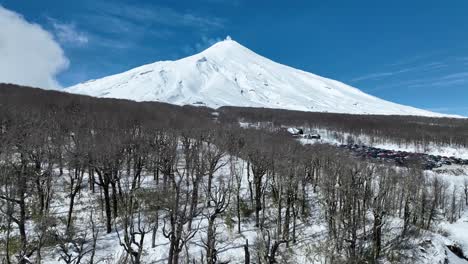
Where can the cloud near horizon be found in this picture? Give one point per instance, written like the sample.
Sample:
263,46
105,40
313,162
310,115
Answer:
29,54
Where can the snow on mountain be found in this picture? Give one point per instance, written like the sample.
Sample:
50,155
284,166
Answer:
229,74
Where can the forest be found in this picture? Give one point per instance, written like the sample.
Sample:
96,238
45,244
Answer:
403,129
171,184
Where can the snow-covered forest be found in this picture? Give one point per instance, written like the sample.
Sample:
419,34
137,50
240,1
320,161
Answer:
87,180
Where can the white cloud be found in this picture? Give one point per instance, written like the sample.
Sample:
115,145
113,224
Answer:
204,43
68,33
29,55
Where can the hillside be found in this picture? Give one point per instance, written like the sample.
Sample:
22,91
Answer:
98,180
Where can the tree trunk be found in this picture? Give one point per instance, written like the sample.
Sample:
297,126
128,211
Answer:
246,252
155,229
238,199
70,211
114,198
258,198
210,243
287,217
107,205
280,207
377,235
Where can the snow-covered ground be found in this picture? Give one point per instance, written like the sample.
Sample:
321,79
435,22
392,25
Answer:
432,246
457,177
229,74
458,232
230,243
454,176
337,138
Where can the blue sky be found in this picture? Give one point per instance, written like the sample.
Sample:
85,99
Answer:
409,52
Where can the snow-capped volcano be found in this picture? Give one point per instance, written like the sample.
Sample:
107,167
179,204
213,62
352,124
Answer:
229,74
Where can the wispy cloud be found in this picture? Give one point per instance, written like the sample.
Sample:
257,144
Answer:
456,76
381,75
126,16
67,33
377,75
142,29
201,45
442,81
126,26
460,78
417,59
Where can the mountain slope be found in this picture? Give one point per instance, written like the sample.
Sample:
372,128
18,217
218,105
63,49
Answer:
228,74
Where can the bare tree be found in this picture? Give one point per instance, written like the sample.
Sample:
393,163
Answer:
178,213
220,198
73,247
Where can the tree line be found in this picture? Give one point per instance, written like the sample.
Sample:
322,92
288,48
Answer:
415,130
